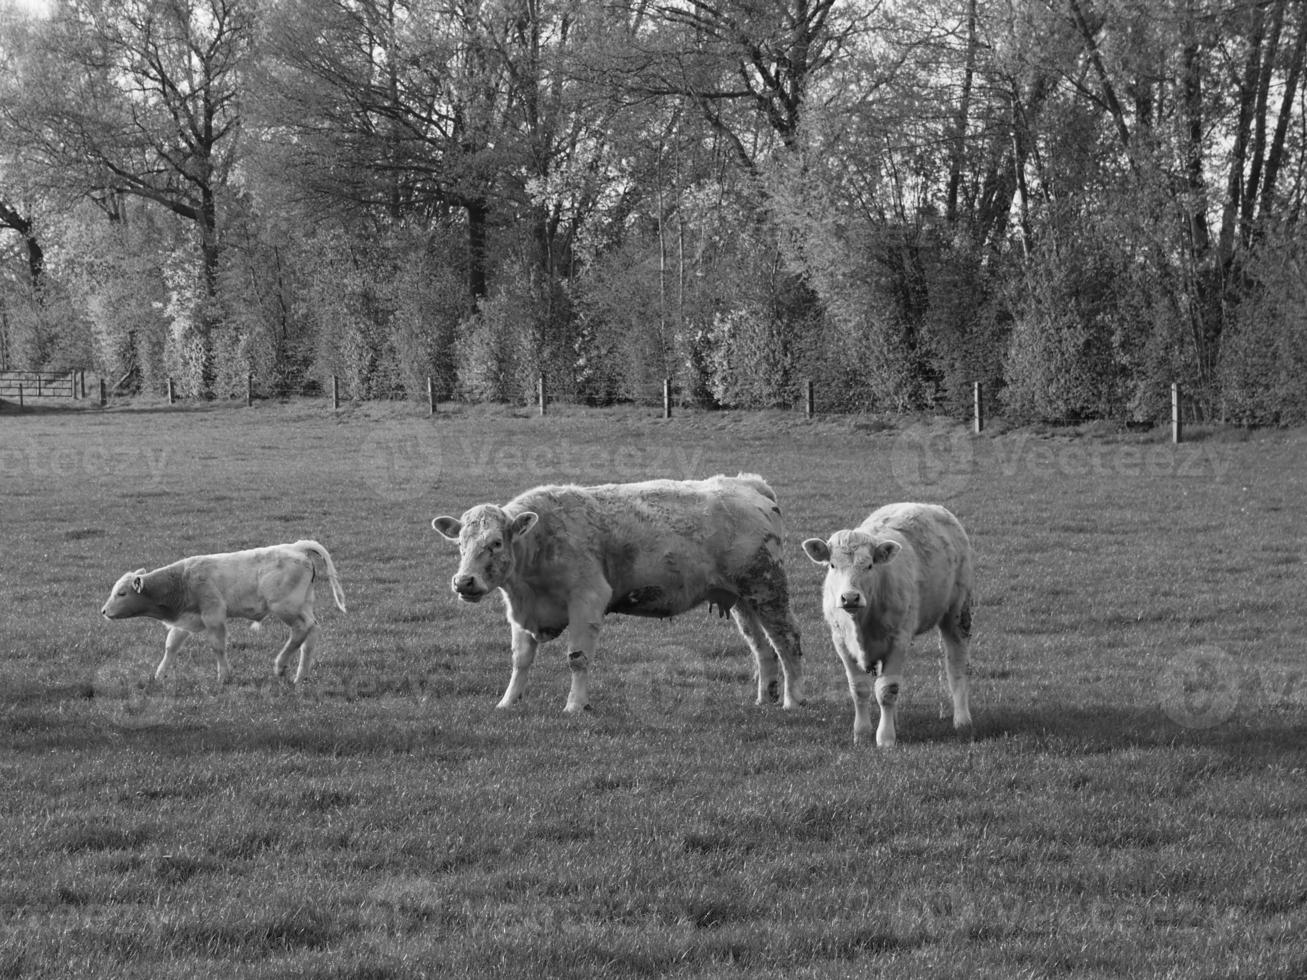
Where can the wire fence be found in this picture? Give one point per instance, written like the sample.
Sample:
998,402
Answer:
22,386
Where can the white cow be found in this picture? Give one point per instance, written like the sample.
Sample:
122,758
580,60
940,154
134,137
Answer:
564,556
199,594
904,570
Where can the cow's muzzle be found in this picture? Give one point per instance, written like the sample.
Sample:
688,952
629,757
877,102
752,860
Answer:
850,602
467,589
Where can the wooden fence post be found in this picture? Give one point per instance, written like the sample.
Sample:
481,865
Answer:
172,393
1177,424
249,390
20,394
335,393
809,400
979,409
104,395
667,398
431,395
541,394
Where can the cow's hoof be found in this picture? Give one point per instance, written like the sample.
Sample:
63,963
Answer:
576,709
966,731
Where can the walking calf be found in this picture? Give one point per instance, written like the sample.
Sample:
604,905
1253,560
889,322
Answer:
199,594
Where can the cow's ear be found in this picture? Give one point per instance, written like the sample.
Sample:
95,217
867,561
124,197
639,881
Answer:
447,526
818,550
523,522
885,551
138,584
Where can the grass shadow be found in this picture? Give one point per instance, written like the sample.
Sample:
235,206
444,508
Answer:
1089,731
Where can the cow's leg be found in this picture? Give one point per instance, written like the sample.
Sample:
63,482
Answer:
176,637
524,655
887,690
769,674
584,617
216,631
783,632
954,641
860,688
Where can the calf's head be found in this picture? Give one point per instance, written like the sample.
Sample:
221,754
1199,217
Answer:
485,536
128,597
853,560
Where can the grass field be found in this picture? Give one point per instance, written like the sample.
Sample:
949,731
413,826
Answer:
1134,803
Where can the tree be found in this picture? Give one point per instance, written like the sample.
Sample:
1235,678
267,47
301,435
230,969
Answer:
143,98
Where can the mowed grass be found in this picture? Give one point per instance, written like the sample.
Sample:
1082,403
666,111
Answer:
1134,803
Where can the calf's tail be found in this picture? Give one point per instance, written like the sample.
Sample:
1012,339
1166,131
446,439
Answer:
313,548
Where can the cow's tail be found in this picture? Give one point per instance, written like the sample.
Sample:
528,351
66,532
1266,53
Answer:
313,548
759,484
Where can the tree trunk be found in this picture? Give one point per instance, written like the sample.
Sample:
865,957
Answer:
477,215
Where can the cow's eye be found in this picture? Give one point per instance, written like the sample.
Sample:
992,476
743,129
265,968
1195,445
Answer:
494,546
123,592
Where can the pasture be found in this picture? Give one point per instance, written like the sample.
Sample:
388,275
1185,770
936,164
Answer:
1134,803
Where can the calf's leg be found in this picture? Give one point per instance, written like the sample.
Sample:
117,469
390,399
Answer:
860,687
303,636
887,691
954,640
176,637
216,631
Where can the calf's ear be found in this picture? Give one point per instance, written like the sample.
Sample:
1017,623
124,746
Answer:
523,522
447,526
885,551
138,584
817,549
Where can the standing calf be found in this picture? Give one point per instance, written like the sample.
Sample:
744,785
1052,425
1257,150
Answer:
904,570
201,593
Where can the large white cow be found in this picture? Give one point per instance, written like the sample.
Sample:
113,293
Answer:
565,556
199,594
904,570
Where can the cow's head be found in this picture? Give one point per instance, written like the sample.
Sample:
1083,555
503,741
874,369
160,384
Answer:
485,536
853,560
129,597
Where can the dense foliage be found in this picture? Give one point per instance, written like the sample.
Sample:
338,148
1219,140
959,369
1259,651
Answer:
1074,201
